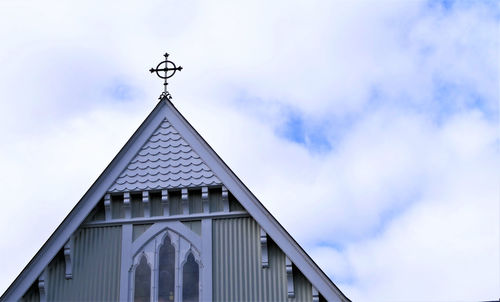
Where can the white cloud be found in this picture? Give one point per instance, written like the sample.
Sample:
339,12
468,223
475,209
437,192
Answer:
406,199
443,247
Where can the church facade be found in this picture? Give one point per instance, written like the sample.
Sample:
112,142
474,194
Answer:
168,220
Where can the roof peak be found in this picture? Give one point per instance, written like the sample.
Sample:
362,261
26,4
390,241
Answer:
165,161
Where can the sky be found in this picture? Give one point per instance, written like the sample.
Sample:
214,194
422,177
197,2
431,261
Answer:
369,129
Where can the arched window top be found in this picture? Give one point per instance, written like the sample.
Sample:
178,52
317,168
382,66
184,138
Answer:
154,236
166,271
190,280
166,239
171,253
142,281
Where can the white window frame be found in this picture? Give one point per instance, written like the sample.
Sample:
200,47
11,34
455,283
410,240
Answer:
197,259
136,263
183,239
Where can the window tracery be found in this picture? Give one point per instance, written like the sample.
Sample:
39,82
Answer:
166,271
142,281
190,280
174,273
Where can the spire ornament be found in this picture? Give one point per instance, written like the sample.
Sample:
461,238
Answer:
168,68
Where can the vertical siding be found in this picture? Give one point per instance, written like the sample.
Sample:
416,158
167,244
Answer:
139,229
174,202
194,225
302,287
215,200
137,206
96,268
117,207
234,205
195,204
32,295
237,271
156,207
99,213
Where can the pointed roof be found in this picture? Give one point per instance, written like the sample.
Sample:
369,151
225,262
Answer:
181,166
167,139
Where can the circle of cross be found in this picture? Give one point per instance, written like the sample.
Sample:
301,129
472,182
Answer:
168,67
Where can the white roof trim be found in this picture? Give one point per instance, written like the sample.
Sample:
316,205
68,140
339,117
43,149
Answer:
77,215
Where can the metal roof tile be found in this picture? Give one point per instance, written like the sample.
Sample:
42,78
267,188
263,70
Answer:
165,161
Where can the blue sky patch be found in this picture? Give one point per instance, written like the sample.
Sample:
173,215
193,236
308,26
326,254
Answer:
315,134
445,4
312,135
449,98
120,91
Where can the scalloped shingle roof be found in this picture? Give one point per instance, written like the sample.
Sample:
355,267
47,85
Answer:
165,161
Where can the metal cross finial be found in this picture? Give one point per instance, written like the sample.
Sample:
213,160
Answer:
169,69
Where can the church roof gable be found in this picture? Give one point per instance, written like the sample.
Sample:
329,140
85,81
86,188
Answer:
166,139
165,161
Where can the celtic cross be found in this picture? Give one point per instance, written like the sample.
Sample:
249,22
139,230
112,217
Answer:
168,68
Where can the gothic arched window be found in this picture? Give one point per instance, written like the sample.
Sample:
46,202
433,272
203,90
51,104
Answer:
142,281
166,273
190,280
167,265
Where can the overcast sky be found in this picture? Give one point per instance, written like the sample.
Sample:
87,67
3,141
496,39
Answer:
369,129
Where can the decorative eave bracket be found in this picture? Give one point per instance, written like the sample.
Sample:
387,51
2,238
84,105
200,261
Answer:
289,278
263,248
146,204
185,202
225,199
315,294
42,286
127,207
204,200
68,256
107,206
164,202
